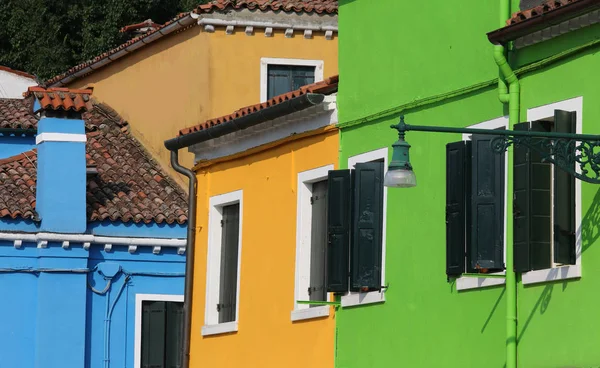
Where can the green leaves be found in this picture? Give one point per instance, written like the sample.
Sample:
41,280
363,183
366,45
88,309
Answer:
45,38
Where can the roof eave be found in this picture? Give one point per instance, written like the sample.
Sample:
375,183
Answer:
510,33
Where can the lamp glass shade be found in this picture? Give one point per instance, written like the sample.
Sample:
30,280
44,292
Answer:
400,178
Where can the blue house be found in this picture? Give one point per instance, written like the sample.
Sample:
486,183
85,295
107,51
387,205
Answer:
92,239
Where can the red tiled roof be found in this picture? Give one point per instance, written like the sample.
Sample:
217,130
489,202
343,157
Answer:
298,6
539,10
61,98
148,23
326,87
17,72
129,187
16,114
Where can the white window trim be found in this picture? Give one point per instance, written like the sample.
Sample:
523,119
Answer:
213,267
571,271
357,298
303,243
466,282
265,62
139,298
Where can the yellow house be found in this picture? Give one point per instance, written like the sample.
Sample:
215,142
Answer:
208,62
261,232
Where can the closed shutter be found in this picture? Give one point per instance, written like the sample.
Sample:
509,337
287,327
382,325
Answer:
487,206
153,334
229,263
317,289
456,210
339,207
286,78
365,257
564,198
174,335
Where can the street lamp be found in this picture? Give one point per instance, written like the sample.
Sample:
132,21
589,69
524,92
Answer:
400,173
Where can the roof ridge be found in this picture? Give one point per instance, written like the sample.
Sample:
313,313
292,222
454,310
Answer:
17,72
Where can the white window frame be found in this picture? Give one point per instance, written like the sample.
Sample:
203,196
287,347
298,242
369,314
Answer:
567,271
265,62
353,298
304,244
139,299
213,267
466,282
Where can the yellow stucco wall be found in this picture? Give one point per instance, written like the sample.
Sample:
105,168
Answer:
187,78
266,337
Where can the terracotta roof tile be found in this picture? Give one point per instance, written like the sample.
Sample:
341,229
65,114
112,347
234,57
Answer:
539,10
17,72
129,186
61,98
298,6
327,86
16,114
148,24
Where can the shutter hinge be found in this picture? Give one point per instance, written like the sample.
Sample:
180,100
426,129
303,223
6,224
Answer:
312,200
222,223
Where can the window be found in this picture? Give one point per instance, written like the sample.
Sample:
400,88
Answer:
286,78
475,201
158,330
311,243
355,224
161,334
224,250
279,76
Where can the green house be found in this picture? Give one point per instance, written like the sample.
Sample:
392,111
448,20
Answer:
427,283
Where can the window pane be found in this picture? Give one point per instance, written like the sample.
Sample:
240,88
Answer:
286,78
229,262
318,241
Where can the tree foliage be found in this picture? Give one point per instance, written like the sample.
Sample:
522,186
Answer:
45,37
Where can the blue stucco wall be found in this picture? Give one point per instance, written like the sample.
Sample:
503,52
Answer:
13,145
54,320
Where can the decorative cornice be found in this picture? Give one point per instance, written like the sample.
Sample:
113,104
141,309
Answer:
42,239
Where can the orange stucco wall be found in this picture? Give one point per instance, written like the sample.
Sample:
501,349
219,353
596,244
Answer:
187,78
266,336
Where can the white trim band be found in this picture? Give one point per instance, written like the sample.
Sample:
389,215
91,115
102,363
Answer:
60,137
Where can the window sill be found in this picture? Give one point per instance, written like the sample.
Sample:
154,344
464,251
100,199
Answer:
551,274
310,313
469,283
221,328
353,299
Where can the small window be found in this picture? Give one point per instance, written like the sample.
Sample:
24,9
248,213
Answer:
230,224
286,78
162,326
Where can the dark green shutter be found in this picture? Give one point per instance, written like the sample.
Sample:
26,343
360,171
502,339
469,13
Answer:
174,335
521,204
229,263
286,78
317,290
365,255
564,198
153,334
339,207
487,205
456,209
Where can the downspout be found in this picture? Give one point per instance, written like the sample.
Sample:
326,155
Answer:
510,96
189,257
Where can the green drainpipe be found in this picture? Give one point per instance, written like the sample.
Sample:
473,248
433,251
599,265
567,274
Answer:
512,97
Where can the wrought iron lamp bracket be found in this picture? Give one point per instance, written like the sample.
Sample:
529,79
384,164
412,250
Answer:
565,150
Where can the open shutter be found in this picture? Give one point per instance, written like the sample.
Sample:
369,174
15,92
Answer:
487,206
229,263
153,334
317,290
456,210
339,207
174,335
521,204
564,198
365,256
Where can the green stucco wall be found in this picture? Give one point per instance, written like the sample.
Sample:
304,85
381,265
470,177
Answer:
391,55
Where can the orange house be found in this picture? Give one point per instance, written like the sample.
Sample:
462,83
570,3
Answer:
208,62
